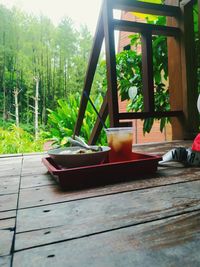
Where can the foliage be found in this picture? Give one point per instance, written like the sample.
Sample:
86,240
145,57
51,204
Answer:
61,121
6,124
32,46
16,140
129,74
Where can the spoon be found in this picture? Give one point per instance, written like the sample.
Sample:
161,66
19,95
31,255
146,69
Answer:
79,142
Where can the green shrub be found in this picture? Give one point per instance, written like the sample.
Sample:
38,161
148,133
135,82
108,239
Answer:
6,124
16,140
61,122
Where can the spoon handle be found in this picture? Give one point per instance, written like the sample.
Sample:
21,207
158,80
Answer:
80,140
75,143
82,144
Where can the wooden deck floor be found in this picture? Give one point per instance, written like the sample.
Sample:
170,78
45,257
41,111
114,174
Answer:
145,222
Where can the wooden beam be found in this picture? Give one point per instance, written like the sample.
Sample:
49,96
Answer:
147,71
189,71
182,80
144,115
113,108
199,17
94,56
175,77
138,27
98,125
146,8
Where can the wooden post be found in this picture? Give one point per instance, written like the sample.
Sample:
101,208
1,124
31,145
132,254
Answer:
98,125
199,17
147,71
175,77
96,49
182,74
189,71
113,108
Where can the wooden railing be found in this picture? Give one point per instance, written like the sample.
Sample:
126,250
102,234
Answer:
180,74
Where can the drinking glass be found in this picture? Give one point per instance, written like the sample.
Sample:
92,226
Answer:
120,141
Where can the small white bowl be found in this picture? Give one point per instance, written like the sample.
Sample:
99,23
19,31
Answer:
69,160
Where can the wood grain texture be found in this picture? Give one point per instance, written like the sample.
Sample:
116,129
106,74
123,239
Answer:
36,180
147,71
8,202
7,223
170,242
10,171
8,185
89,216
161,148
5,246
34,169
7,214
43,195
5,261
113,107
7,160
154,221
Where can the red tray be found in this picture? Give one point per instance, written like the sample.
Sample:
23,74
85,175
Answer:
105,173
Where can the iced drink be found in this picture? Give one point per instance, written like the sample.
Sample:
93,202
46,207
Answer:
120,141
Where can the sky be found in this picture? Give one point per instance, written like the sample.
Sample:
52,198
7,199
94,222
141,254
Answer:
80,11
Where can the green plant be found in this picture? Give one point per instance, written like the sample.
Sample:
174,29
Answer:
6,124
16,140
129,74
61,121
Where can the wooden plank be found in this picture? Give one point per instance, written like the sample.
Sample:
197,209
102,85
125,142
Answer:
10,171
9,186
143,115
146,8
32,165
6,237
162,147
7,223
138,27
45,195
35,161
7,214
113,107
94,215
10,161
92,64
33,170
33,156
170,242
147,71
19,155
5,261
36,180
8,202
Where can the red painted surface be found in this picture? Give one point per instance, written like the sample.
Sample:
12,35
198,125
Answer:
105,173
